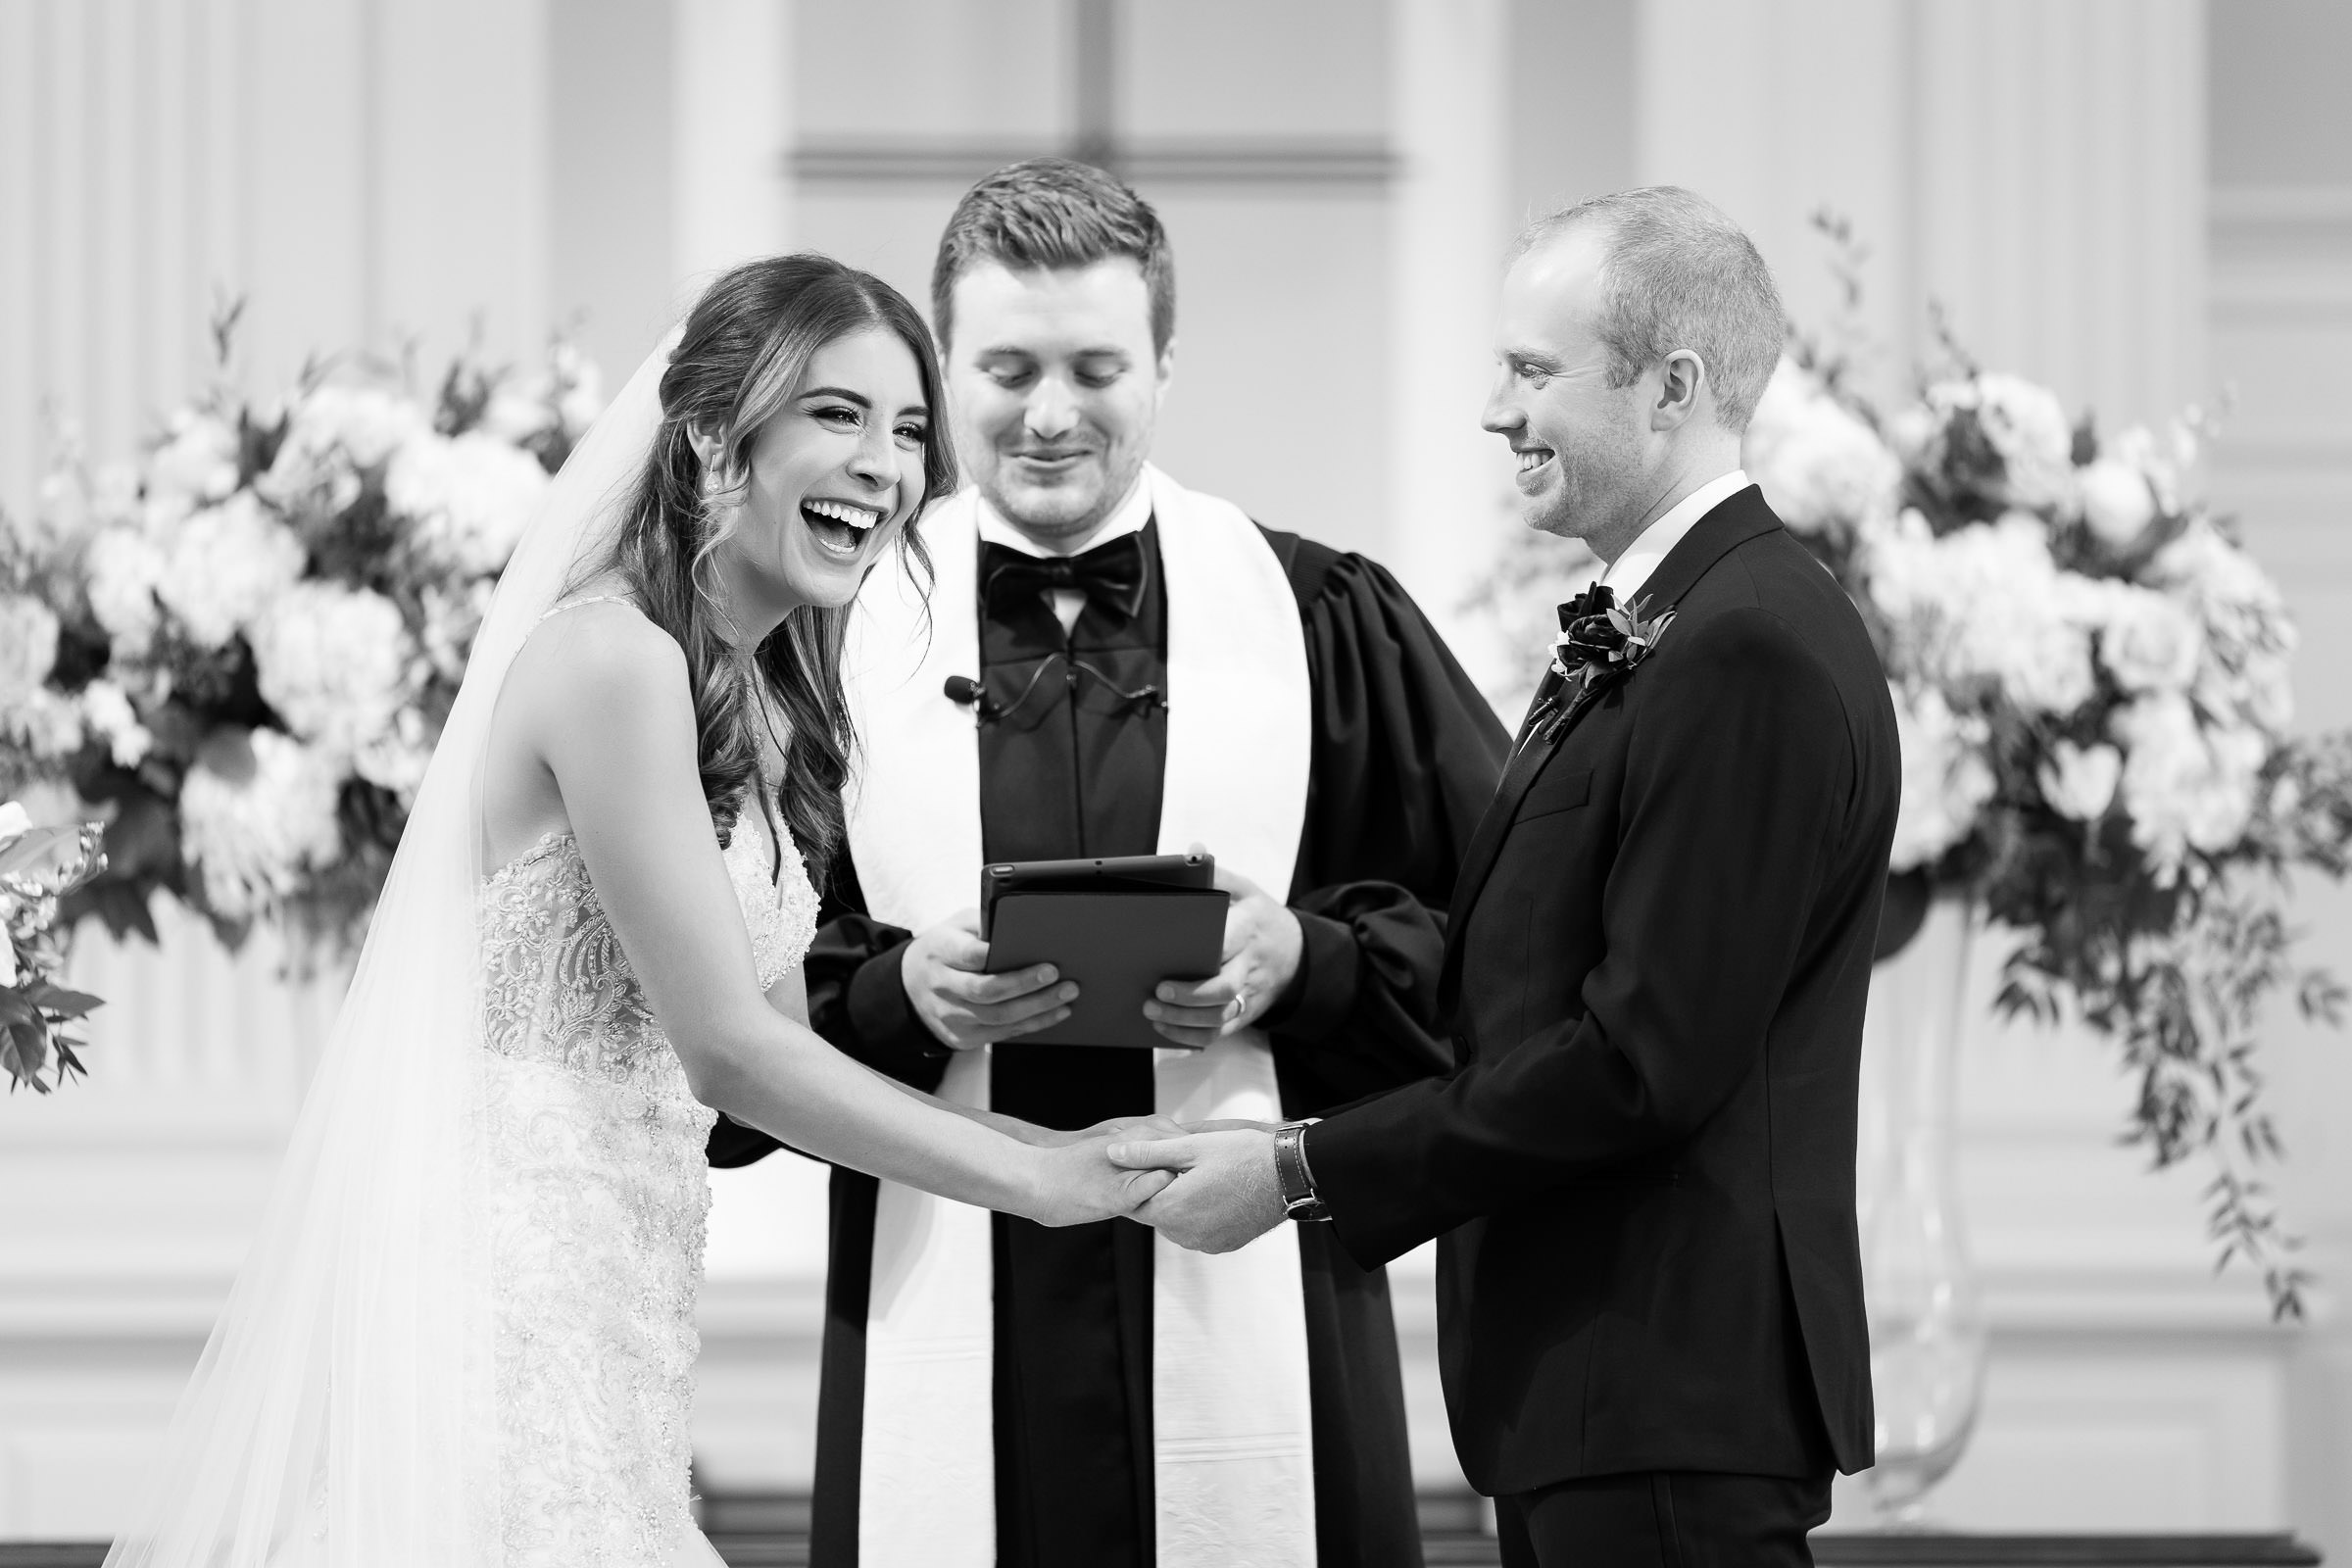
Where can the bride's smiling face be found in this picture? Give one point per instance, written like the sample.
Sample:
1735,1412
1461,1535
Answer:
833,477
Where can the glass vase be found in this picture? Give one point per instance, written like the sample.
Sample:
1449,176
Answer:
1927,1320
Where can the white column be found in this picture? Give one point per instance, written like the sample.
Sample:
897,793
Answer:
2060,193
731,87
1449,226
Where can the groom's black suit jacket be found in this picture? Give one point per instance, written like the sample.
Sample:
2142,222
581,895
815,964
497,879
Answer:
1642,1166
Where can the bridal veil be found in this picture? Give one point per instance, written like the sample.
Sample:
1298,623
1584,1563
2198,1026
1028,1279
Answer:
342,1415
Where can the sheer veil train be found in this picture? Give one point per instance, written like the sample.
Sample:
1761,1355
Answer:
343,1411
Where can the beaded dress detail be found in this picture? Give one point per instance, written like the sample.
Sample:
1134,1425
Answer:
599,1192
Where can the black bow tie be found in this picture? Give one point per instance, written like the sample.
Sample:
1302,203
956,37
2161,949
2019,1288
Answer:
1110,576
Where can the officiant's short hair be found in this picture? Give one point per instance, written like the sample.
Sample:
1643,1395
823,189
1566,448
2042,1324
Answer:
1053,213
1678,273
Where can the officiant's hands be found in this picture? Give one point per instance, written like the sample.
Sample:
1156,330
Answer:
1227,1194
1261,959
944,971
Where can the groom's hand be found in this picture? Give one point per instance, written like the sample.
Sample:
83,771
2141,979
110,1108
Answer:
945,971
1261,959
1225,1196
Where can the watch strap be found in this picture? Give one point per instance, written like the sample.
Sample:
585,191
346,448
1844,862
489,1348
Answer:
1298,1182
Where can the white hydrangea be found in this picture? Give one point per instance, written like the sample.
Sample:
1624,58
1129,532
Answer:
1818,464
467,497
2149,640
2186,786
333,434
1984,603
28,648
2026,425
257,813
333,662
224,566
121,568
47,724
196,466
2080,781
106,709
1946,780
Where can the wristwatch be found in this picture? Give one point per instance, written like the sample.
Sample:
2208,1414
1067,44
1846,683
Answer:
1298,1182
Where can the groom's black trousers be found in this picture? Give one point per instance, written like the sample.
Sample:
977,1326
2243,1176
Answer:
1663,1519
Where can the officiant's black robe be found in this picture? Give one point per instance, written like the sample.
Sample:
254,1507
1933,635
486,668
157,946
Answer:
1405,755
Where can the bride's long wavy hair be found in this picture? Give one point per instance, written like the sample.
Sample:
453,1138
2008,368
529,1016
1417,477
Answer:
740,359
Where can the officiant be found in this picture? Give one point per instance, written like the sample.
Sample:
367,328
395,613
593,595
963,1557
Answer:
1108,663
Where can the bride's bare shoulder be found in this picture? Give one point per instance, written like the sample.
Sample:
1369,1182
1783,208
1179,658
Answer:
605,662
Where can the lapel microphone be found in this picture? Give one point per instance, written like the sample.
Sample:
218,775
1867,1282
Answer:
965,692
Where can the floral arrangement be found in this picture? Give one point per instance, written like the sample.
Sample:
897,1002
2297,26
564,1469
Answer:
239,650
2090,679
38,865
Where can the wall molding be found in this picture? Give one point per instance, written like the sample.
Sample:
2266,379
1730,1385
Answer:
1347,164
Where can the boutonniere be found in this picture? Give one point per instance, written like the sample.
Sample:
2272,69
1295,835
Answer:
1598,635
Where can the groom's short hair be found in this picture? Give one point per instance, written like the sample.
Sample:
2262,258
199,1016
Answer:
1677,273
1053,213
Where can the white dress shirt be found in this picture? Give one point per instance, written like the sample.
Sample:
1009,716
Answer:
1630,570
1128,516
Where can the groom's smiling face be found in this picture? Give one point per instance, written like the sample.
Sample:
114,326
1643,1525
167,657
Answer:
1581,444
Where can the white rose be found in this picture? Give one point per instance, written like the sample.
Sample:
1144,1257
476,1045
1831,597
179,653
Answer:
519,410
196,463
334,433
2024,424
2184,786
257,813
28,648
2148,641
1818,464
2117,500
107,708
2160,464
1946,780
2080,781
334,662
225,567
15,822
468,499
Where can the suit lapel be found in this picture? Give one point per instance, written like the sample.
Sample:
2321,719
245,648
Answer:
1735,520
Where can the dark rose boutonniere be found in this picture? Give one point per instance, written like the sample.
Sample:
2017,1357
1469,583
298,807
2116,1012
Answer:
1598,635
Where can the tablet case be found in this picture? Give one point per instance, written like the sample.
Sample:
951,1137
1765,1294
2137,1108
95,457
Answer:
1117,947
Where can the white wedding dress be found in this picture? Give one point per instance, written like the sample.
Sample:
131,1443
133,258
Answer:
598,1190
463,1334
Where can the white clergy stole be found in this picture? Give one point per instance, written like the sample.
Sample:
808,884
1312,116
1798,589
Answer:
1232,1452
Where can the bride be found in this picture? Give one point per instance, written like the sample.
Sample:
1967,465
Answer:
465,1335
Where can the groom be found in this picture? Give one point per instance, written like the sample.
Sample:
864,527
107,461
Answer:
1650,1297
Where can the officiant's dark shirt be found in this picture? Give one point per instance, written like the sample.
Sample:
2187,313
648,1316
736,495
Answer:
1404,754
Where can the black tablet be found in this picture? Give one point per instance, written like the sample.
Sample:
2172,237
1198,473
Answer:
1117,927
1119,873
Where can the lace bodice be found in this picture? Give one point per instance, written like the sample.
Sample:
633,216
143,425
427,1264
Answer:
599,1195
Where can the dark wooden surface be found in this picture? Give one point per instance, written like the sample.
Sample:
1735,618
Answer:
771,1531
